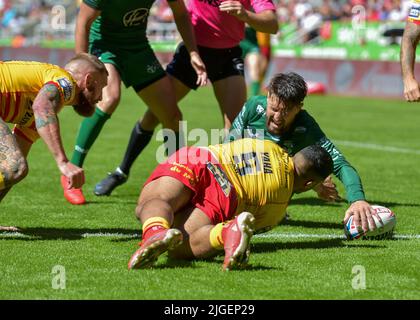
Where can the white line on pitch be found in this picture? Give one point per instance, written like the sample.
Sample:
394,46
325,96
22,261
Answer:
374,146
322,236
264,236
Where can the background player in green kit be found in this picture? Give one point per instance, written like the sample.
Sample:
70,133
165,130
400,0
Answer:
115,31
279,117
252,57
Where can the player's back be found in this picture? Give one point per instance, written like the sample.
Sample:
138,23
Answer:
20,82
262,174
23,76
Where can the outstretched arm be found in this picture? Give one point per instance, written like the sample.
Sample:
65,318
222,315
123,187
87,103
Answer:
409,43
46,106
359,208
185,28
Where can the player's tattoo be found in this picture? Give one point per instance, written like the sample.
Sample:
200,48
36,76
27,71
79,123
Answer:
45,106
11,158
410,40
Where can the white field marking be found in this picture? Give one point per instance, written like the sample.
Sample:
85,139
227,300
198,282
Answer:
374,146
322,236
276,235
110,235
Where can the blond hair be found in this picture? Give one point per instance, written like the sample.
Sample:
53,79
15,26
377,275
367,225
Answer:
88,60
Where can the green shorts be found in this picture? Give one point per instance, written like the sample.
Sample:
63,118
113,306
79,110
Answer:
137,68
248,46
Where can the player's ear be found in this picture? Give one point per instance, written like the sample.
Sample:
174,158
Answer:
309,184
88,80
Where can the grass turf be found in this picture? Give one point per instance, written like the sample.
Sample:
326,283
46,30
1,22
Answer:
282,267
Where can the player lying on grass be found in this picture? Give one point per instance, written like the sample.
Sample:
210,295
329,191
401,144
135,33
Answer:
31,95
279,117
203,200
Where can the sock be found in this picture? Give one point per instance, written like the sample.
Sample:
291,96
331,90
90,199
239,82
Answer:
2,182
139,139
255,88
216,240
88,132
153,225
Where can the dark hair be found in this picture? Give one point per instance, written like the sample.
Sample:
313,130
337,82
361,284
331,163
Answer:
290,88
321,163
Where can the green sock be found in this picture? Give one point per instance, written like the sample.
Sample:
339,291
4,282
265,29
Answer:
88,132
255,88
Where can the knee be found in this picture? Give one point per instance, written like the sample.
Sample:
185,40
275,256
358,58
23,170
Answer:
109,102
15,172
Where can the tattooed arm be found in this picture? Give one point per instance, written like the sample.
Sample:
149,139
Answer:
46,106
409,43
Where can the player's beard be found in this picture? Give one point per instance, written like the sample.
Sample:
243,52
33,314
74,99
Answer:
84,107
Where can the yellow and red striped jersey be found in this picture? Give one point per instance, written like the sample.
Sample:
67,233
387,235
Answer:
262,174
20,82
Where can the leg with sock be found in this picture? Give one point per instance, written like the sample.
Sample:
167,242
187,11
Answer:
157,236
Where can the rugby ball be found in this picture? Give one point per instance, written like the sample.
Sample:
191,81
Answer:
383,230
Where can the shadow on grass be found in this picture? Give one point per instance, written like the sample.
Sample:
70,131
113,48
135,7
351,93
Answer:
106,200
316,202
311,224
319,202
261,247
34,234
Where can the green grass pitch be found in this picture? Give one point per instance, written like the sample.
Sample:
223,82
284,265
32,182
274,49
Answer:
305,258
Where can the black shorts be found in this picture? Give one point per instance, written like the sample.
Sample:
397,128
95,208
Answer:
220,64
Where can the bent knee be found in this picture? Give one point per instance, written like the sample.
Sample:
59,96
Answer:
109,102
14,172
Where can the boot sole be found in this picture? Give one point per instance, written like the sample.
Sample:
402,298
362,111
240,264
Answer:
146,258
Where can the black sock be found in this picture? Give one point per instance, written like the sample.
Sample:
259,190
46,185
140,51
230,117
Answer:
139,139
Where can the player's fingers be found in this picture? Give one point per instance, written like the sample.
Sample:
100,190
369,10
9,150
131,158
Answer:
372,224
364,222
347,216
356,219
374,213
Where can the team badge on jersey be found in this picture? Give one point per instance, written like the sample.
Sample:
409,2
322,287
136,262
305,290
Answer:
67,87
414,13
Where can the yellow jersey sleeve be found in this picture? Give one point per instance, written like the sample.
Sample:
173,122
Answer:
414,13
262,174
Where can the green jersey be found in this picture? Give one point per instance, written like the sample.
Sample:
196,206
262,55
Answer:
305,131
122,23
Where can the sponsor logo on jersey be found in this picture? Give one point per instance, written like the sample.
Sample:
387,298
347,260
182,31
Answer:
152,68
29,114
67,87
414,12
260,109
220,177
136,17
300,130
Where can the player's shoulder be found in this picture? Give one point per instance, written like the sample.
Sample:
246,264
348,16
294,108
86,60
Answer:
62,79
305,118
256,105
